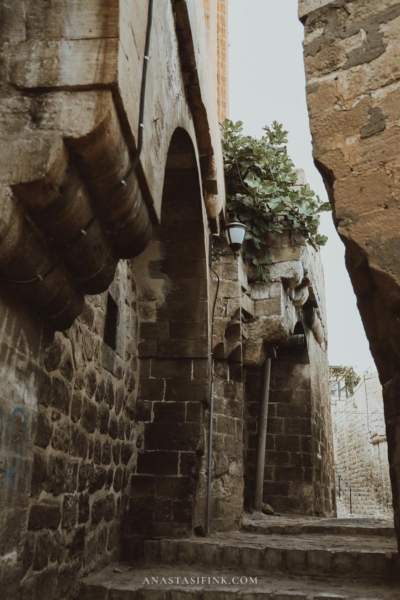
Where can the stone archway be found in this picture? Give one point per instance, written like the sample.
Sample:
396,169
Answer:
174,355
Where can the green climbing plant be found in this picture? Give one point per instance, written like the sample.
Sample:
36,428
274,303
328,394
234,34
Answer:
261,189
347,374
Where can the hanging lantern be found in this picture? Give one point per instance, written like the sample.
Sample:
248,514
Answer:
235,232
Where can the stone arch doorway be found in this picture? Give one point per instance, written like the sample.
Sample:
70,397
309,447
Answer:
174,356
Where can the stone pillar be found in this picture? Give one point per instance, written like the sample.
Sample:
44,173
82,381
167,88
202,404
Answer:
228,483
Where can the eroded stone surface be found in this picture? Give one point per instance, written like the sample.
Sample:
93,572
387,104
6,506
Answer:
352,66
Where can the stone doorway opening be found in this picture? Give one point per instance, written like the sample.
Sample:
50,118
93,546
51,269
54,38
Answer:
174,358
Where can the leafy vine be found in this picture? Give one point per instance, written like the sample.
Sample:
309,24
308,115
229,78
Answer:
262,191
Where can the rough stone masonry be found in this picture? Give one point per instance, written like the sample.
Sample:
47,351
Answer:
351,53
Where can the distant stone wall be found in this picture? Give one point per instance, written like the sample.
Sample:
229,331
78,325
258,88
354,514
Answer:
361,453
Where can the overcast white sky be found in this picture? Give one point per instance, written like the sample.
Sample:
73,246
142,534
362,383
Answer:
267,83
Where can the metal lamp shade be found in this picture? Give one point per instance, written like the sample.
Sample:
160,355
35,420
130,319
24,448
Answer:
235,232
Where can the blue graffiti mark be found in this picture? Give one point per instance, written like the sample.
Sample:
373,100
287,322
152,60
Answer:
17,411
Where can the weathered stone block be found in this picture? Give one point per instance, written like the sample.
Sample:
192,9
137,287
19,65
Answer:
251,558
97,451
76,407
183,311
100,391
151,389
158,463
98,510
188,464
181,436
289,474
60,395
273,559
110,507
69,513
42,516
188,391
147,349
174,488
154,331
98,480
126,452
86,476
53,355
83,508
277,458
275,426
56,474
42,550
193,412
183,330
171,369
106,452
62,436
299,411
44,429
121,428
189,348
118,476
169,412
298,426
76,545
90,382
182,511
264,308
113,428
103,416
225,425
89,416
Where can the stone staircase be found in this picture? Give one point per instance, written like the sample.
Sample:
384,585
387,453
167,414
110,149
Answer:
362,507
272,559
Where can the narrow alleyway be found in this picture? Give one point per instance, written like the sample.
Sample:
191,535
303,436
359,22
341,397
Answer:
278,558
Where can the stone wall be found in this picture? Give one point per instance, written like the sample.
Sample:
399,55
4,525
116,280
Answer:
69,426
361,459
298,476
352,68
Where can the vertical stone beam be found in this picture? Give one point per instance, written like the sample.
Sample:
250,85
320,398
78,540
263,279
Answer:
227,483
216,18
222,60
353,93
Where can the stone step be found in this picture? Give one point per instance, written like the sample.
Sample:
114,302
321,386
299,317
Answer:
346,557
308,525
162,583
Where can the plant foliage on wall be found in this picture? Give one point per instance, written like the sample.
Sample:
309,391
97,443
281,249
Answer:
261,189
346,375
